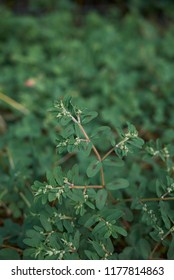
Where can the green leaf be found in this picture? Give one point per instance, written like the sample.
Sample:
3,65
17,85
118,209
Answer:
131,128
68,131
38,228
9,254
99,227
71,256
170,253
107,234
100,131
109,245
73,174
68,226
91,221
50,178
112,214
29,254
114,161
98,248
88,117
90,205
58,175
165,210
32,233
120,230
76,195
143,248
65,120
44,198
33,242
101,198
91,255
51,196
77,130
58,224
87,147
45,223
118,184
93,168
77,239
137,142
53,241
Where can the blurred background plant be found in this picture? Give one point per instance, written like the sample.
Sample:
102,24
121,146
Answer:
114,57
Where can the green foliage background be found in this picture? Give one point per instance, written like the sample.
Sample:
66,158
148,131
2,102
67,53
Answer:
118,64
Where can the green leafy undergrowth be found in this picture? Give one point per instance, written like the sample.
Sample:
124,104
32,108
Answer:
100,61
92,210
118,65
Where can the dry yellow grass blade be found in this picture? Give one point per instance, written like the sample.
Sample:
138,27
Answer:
14,104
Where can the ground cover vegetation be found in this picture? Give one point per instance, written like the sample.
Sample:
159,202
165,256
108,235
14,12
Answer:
86,132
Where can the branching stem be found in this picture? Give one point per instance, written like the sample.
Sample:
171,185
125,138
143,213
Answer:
141,200
116,146
158,244
93,147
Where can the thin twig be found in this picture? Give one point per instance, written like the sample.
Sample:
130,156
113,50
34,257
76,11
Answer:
86,187
11,247
25,199
116,146
154,250
157,199
65,158
11,161
146,199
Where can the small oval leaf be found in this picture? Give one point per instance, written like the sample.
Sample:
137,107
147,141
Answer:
101,198
93,168
118,184
89,117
